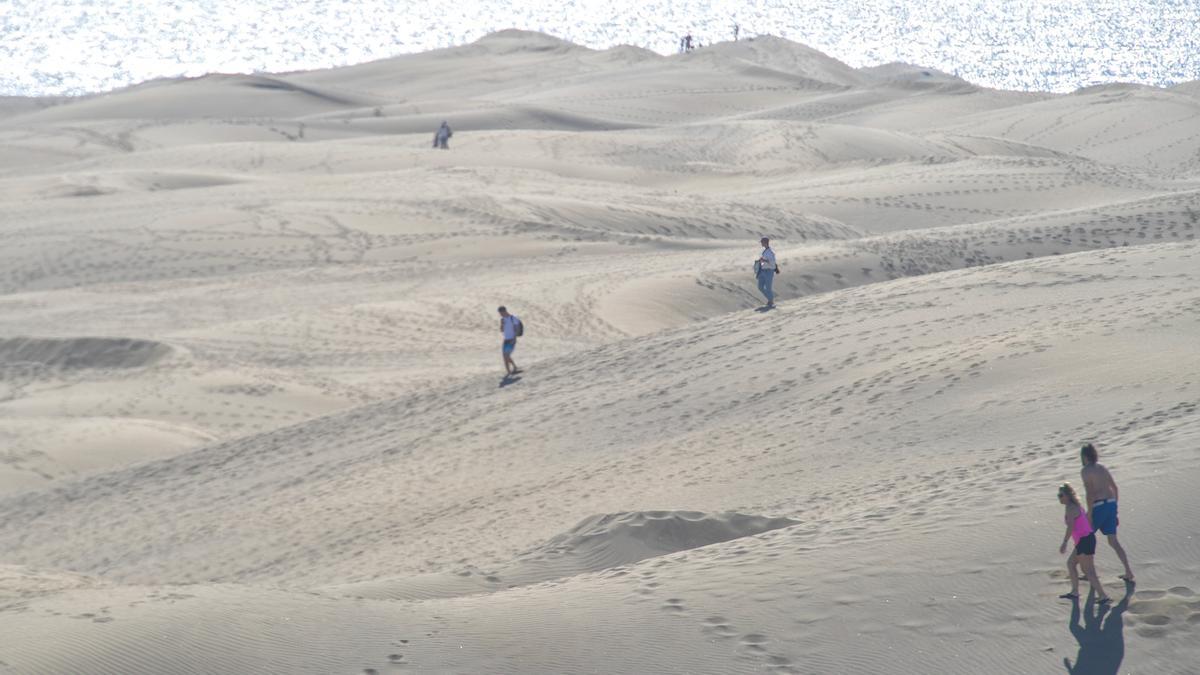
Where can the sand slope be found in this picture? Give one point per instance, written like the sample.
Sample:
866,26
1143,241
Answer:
252,420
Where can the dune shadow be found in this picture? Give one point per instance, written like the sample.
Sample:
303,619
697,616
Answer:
1101,636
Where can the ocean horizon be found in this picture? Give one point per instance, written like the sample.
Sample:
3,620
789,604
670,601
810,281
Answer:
71,47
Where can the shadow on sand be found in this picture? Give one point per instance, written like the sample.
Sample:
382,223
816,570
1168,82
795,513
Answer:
509,379
1101,636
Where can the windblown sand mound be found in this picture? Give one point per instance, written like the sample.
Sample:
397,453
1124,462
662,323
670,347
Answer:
613,539
18,581
16,105
107,183
221,96
1132,126
513,40
1190,88
80,353
598,543
40,450
915,77
782,58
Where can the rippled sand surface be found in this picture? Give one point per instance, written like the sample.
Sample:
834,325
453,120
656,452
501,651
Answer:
253,419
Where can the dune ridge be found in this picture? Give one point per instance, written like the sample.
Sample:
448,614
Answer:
610,541
77,353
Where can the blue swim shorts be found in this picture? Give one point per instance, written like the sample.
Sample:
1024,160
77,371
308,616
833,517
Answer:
1104,516
509,346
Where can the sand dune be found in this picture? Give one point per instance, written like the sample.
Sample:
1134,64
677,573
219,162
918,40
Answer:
1190,88
1127,125
223,96
596,544
77,353
252,420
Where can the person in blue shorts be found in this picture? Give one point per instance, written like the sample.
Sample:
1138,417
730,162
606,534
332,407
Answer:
510,326
1102,496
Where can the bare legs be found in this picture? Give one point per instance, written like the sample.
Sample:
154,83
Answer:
1087,562
1116,546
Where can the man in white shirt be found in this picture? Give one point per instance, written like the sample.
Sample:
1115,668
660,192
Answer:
509,324
765,269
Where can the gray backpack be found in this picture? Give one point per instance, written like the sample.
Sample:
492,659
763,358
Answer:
517,326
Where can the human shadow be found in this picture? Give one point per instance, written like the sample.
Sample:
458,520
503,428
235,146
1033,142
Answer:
1101,636
509,379
765,308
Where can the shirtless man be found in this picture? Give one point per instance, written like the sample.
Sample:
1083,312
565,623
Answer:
1102,496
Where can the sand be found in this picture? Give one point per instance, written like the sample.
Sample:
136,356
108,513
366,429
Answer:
252,416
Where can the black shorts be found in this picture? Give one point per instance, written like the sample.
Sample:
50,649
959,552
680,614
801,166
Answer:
1086,546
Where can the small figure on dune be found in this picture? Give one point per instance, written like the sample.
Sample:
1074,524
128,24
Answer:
736,29
512,328
1102,495
1080,529
687,42
441,138
765,269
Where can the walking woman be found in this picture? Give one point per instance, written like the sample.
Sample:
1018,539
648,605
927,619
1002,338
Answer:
1079,529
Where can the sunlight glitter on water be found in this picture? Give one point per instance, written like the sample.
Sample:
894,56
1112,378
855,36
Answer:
75,46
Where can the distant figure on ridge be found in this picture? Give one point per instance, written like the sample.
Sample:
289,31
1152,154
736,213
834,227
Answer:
512,328
736,30
687,42
1102,495
765,269
441,139
1079,529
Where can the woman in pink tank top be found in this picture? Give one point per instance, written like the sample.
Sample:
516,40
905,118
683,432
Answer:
1079,528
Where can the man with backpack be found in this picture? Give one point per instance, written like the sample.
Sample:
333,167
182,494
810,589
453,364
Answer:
765,269
512,328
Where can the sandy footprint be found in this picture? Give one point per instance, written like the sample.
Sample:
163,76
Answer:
717,626
1159,613
674,606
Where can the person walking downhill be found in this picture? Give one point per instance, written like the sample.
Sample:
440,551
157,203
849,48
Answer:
511,328
441,138
765,269
1079,529
1102,495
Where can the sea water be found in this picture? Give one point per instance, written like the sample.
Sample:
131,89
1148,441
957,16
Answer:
76,46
